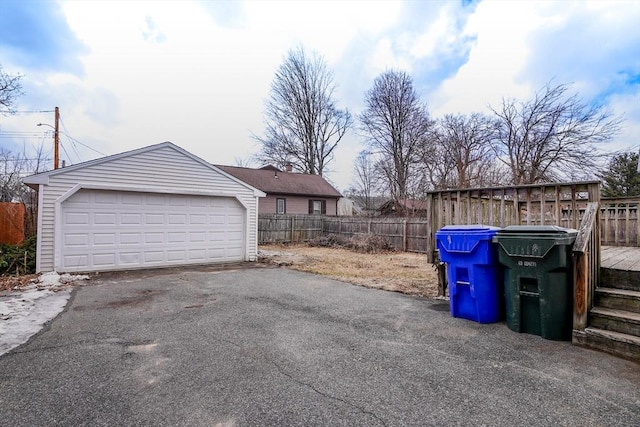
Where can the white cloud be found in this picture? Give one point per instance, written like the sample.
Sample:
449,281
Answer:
495,61
626,106
197,73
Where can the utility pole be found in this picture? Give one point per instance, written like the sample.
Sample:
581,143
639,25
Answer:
56,140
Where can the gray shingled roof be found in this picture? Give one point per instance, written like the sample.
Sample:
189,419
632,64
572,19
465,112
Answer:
276,182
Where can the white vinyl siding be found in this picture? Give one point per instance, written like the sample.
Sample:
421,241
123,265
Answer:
163,169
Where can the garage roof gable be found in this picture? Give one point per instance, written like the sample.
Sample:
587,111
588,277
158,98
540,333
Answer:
43,177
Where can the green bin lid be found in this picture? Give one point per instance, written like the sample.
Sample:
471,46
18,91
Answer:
538,229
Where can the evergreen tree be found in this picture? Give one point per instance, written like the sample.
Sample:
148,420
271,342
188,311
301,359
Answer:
623,176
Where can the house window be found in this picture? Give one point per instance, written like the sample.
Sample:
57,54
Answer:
317,207
281,206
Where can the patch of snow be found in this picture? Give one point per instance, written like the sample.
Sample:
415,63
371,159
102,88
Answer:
23,313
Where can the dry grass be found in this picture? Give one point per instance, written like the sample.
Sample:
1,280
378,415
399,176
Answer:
8,283
408,273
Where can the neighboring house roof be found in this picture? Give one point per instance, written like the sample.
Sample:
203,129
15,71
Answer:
273,181
411,205
374,202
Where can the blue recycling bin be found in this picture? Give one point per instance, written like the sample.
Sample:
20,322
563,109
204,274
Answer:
473,272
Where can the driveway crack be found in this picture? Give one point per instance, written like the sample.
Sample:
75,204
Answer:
302,383
323,394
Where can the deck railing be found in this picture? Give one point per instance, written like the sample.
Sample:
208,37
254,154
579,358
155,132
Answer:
586,265
543,204
619,221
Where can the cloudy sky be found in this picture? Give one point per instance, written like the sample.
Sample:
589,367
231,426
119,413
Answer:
129,74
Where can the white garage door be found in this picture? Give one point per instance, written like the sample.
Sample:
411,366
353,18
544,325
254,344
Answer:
115,230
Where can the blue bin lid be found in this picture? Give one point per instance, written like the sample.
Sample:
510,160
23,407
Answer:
467,228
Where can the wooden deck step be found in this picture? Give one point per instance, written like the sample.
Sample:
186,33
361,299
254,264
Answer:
610,319
620,299
620,279
621,345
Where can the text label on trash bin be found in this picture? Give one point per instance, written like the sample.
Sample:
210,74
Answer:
527,263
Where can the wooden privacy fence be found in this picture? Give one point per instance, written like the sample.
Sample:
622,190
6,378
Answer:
549,204
405,234
11,223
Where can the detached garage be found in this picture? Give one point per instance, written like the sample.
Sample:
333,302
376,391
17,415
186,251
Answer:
152,207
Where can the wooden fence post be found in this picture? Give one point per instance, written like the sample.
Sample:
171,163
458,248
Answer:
580,267
293,227
405,239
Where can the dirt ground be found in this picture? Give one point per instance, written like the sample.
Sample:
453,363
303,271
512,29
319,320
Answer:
408,273
404,272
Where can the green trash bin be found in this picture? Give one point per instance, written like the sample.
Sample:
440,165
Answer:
538,279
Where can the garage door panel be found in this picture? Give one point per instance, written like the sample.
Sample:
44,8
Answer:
76,218
131,219
130,238
197,219
104,230
198,254
236,236
129,258
177,219
197,237
104,239
199,203
104,260
154,200
106,198
235,219
151,238
134,199
151,257
104,219
79,240
76,260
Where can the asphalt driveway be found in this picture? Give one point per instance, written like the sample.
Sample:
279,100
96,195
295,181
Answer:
260,346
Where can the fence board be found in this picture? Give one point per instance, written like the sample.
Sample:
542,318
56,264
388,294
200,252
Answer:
12,223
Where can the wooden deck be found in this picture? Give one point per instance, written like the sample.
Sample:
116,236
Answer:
620,258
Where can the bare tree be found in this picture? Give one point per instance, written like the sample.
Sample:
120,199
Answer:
14,167
396,125
366,182
543,138
437,170
465,149
303,125
10,90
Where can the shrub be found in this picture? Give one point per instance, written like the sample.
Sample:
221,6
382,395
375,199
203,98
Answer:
329,241
368,243
18,259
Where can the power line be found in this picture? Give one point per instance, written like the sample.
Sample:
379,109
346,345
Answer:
76,141
73,145
84,145
18,132
21,137
23,159
32,111
65,152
